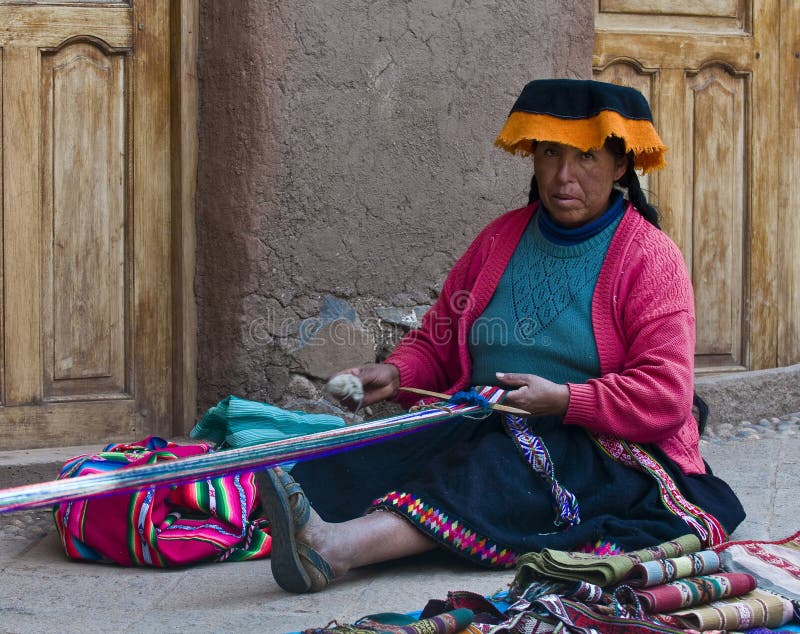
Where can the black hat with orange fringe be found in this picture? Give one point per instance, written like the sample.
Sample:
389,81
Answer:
583,114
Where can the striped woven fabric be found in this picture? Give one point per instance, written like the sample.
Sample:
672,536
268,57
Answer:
775,564
654,573
755,609
692,591
211,519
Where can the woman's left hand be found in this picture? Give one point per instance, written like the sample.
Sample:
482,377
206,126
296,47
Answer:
534,394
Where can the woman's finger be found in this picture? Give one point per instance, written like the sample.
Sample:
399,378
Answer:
513,378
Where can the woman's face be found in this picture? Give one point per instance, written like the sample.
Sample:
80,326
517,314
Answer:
575,186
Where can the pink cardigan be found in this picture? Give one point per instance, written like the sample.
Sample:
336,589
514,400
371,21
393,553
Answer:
643,321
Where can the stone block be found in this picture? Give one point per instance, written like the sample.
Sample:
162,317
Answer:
335,346
753,395
407,318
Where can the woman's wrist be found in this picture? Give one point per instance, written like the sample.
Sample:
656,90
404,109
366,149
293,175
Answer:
560,399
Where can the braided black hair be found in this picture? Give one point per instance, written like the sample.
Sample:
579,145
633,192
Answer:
629,181
533,194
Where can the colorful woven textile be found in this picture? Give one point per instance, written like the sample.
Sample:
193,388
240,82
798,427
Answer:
570,587
447,623
550,606
577,615
597,569
565,504
235,422
653,573
579,590
214,519
551,594
758,608
484,610
775,565
440,526
686,593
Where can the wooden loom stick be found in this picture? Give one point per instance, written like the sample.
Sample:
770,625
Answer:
223,462
445,397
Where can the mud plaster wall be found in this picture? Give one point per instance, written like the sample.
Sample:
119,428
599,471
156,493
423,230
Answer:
346,160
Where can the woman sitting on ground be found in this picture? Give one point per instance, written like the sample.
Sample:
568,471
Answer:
582,308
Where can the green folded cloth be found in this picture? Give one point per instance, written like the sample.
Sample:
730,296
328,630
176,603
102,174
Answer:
601,570
236,422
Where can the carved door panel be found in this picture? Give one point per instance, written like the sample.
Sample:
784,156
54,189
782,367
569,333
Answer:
85,222
710,70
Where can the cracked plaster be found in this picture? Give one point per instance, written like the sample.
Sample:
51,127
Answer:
346,150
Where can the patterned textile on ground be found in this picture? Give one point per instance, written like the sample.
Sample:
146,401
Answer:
451,622
214,519
758,608
674,585
671,588
775,565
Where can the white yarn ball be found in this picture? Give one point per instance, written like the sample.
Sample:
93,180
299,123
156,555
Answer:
346,386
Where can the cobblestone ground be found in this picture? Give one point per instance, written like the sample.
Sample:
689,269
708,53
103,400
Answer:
787,426
26,524
39,522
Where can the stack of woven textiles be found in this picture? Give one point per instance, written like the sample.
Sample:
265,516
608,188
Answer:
674,587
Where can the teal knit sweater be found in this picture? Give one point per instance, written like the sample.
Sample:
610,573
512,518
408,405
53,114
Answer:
539,319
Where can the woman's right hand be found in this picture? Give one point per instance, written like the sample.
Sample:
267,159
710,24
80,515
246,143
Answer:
380,381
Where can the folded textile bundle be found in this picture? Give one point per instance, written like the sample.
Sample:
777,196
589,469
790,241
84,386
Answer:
775,565
658,571
758,608
672,588
692,591
673,585
597,569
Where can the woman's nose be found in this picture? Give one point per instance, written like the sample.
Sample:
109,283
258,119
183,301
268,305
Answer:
565,170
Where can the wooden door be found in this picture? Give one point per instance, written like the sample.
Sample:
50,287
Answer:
712,71
86,260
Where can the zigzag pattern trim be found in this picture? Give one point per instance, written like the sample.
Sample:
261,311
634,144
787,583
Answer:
446,530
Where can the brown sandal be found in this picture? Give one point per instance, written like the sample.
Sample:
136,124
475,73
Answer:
296,566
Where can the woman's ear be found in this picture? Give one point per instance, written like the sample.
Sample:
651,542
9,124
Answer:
620,166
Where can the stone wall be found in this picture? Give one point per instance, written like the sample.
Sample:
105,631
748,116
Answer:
346,160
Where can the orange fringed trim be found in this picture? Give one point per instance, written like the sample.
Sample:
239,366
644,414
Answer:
639,136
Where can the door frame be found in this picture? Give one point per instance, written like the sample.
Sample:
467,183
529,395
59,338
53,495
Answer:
788,334
184,34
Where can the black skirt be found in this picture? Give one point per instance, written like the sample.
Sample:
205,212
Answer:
467,485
